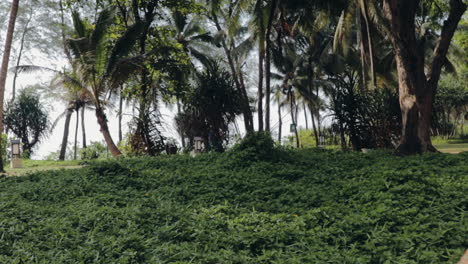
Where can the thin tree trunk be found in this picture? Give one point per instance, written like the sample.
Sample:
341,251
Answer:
5,61
260,85
246,111
181,133
317,143
268,64
294,118
367,45
20,54
305,115
64,38
83,129
66,130
102,121
280,121
120,114
76,132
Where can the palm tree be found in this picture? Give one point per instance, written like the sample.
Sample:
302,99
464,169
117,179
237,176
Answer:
236,53
5,61
100,69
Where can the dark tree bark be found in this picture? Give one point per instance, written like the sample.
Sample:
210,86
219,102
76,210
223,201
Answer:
260,86
314,127
305,115
66,130
416,90
280,122
268,64
83,129
102,121
120,114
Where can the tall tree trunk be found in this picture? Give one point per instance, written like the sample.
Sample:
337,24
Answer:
260,85
181,133
237,76
416,90
268,64
76,132
367,49
280,122
120,114
83,129
66,130
20,54
305,115
102,121
261,59
294,117
5,61
316,134
66,50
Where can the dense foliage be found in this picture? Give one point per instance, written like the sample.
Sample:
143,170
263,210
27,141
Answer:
243,206
27,118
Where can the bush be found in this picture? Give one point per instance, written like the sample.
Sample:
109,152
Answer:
260,144
95,150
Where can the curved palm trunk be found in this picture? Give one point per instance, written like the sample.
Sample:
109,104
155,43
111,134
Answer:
6,59
66,130
102,121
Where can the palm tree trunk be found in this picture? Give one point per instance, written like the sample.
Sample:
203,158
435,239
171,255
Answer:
280,122
268,64
237,76
181,133
76,132
305,115
83,129
102,121
120,114
260,85
5,61
366,44
66,130
315,128
294,117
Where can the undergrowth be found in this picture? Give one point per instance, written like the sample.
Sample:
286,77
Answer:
249,205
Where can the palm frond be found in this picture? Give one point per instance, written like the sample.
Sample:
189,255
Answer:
124,45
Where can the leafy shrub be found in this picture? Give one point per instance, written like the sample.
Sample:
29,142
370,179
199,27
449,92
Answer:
259,144
94,150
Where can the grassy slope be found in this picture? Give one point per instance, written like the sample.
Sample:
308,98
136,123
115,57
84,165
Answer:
304,206
31,166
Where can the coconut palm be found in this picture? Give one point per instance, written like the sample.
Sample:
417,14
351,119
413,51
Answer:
100,69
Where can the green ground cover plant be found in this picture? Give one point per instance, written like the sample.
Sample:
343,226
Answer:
254,204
